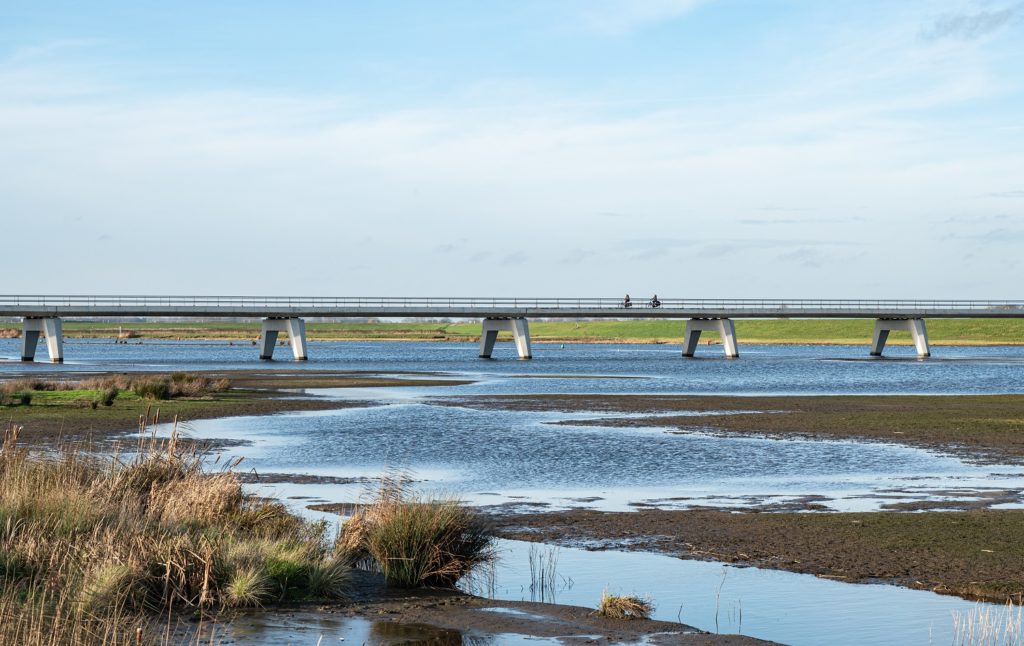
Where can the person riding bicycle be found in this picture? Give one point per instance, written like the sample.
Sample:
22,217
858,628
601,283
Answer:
626,302
655,302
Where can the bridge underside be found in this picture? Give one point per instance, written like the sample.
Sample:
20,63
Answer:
49,327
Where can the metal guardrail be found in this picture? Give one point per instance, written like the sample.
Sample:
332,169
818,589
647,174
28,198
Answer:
784,306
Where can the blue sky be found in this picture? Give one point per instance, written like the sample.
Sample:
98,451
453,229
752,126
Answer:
715,148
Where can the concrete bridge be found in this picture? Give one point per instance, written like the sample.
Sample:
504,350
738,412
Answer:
42,315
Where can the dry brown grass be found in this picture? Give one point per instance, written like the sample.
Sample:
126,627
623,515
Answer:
91,548
174,385
417,540
616,606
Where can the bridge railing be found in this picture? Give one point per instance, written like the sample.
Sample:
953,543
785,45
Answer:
790,306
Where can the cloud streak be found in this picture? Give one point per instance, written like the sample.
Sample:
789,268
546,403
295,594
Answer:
972,26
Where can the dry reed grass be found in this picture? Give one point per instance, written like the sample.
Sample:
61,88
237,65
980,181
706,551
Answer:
416,540
987,626
92,549
178,384
616,606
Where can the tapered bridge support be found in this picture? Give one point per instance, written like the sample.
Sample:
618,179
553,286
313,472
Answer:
519,328
296,329
50,328
726,330
917,330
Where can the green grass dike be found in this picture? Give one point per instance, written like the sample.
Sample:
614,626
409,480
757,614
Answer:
800,331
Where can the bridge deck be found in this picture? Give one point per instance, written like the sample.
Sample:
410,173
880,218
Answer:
361,307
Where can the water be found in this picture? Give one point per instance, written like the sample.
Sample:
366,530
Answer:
779,606
655,368
272,628
496,457
491,457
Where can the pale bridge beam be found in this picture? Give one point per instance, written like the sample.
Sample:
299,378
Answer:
725,328
916,327
49,327
296,329
519,328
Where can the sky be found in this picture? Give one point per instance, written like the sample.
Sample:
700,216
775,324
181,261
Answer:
550,148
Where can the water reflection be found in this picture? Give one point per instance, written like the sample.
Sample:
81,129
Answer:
272,628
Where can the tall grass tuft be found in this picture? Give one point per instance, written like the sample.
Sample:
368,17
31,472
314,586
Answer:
93,549
616,606
415,539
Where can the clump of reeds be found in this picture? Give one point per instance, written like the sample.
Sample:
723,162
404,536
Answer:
987,626
90,546
178,384
616,606
415,539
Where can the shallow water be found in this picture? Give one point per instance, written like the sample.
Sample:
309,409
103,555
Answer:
760,369
779,606
502,457
273,628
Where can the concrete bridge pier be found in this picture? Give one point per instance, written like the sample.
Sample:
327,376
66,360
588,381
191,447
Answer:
296,329
725,328
917,330
519,328
49,327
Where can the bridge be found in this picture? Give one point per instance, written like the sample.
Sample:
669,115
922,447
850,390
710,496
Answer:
42,315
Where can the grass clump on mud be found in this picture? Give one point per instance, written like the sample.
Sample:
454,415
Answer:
107,388
416,540
93,549
616,606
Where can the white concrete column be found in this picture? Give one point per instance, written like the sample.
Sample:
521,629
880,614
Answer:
297,335
916,327
296,329
519,328
726,331
51,328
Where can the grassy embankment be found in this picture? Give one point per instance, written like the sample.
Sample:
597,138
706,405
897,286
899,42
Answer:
829,331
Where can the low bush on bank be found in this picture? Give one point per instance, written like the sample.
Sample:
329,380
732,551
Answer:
416,540
616,606
92,549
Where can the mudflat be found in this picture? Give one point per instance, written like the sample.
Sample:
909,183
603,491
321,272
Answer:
980,427
975,554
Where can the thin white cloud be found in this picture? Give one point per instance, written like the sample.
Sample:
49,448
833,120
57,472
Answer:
615,17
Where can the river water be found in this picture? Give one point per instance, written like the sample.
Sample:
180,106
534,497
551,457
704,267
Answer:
490,457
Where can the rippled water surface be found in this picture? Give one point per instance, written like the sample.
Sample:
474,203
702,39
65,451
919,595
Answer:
660,368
